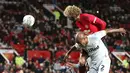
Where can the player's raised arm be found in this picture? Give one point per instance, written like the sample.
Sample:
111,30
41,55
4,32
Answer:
103,33
120,30
71,49
99,34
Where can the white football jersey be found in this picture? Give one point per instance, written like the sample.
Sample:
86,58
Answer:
95,48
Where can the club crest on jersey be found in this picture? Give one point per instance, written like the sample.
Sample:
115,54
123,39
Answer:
86,26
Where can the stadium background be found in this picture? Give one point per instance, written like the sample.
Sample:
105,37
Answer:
52,35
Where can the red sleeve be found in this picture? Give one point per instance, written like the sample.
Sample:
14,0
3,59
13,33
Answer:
97,22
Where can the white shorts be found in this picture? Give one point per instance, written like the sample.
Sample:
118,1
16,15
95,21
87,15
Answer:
100,67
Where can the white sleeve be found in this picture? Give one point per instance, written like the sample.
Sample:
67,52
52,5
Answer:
99,34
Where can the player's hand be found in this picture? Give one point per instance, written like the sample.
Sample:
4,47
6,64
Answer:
122,30
70,64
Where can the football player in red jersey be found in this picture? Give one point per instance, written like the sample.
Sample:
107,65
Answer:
84,21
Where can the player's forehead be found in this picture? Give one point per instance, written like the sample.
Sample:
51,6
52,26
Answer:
79,36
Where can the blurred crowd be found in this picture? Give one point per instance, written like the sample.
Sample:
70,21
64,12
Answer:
47,34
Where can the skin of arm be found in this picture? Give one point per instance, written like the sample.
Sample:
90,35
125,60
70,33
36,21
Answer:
121,30
71,49
112,30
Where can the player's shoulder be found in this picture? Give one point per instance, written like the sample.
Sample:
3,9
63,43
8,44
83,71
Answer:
86,16
92,37
97,35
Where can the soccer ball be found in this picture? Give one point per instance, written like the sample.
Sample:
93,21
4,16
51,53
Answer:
28,20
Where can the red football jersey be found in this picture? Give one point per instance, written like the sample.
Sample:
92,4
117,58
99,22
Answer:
90,23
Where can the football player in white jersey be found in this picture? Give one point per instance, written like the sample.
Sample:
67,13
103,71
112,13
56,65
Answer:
96,49
98,61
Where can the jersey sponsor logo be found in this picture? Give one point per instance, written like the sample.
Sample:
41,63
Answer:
92,49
